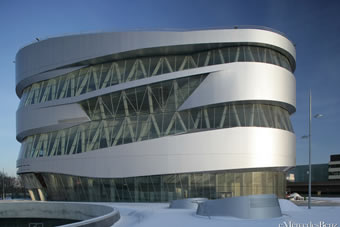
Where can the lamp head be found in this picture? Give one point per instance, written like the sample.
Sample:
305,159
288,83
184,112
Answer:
318,115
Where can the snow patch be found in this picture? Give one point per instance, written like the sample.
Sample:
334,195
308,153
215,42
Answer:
287,205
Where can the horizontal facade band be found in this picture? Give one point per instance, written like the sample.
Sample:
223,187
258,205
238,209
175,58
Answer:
69,50
43,120
43,76
158,188
267,68
334,169
334,163
245,81
222,149
116,128
101,75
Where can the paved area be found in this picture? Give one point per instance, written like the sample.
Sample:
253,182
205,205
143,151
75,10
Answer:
318,202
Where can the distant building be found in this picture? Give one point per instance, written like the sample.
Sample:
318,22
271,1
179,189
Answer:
300,173
325,178
334,167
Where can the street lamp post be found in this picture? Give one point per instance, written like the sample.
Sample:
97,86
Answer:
310,148
3,184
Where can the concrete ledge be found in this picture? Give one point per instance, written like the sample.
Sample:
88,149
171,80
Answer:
190,203
89,214
246,207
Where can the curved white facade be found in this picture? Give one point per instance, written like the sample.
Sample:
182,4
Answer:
213,150
150,116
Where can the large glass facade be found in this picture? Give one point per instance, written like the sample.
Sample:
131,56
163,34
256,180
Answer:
159,188
108,74
149,112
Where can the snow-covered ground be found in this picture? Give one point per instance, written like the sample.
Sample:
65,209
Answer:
159,215
332,199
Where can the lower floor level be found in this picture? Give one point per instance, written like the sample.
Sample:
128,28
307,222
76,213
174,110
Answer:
324,188
156,188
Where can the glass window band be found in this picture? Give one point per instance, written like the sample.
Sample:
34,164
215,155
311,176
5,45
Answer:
159,188
149,112
100,76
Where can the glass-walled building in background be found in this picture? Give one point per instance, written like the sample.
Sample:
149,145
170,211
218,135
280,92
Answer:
325,178
156,116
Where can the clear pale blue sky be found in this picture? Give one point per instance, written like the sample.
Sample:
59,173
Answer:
313,25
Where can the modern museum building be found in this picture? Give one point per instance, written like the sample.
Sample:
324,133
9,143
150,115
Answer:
150,116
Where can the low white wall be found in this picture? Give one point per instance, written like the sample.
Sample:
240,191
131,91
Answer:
88,214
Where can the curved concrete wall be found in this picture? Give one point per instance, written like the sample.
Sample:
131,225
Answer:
88,214
246,207
191,203
221,149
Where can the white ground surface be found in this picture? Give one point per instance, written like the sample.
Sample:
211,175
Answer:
159,215
326,199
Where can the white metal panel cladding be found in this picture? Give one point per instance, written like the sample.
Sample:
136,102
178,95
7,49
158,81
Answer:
245,81
37,58
223,149
101,75
32,121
